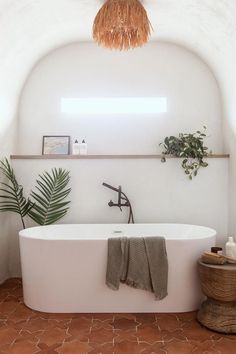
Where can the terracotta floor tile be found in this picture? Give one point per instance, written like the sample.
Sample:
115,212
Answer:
31,337
194,331
3,323
106,324
187,316
167,322
19,325
3,295
177,334
4,348
145,318
8,307
155,348
80,323
127,347
54,335
225,346
7,335
102,336
149,334
179,347
39,324
216,336
21,313
23,347
107,348
58,316
103,316
80,328
125,335
124,323
74,347
129,316
81,335
205,347
44,348
11,283
16,293
63,324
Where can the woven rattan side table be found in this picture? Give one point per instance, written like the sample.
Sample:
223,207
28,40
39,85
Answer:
218,283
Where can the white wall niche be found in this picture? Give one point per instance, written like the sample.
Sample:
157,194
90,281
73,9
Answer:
85,71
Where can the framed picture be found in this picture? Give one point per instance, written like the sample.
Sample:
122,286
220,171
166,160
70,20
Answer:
56,145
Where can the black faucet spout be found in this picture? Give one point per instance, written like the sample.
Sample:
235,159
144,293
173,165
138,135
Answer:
120,204
110,187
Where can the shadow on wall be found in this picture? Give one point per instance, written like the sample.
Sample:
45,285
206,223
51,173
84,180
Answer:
4,247
8,137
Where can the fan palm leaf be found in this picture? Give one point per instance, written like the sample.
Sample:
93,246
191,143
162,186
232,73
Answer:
12,194
51,192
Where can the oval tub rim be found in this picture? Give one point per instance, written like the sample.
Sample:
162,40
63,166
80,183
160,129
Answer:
25,233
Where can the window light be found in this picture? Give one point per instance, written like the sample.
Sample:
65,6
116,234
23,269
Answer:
117,105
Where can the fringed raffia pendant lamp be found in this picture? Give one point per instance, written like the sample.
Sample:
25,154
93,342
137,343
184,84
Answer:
121,24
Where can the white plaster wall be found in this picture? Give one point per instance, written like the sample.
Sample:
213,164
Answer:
86,70
162,69
158,192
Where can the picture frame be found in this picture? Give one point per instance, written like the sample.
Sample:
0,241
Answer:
56,145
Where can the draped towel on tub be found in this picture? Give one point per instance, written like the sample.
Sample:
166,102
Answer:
140,262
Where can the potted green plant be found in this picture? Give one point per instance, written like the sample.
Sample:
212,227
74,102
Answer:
190,147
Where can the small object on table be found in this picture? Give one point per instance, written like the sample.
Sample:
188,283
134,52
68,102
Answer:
218,283
217,250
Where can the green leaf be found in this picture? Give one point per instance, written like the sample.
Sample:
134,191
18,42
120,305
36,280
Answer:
13,197
49,196
189,147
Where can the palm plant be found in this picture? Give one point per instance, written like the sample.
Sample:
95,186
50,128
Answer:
46,206
12,193
50,204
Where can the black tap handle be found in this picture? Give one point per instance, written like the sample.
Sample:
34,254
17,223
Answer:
111,203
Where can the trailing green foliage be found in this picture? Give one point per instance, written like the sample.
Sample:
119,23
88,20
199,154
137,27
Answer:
50,204
12,196
190,147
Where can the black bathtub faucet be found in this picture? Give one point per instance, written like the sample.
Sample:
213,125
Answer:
123,201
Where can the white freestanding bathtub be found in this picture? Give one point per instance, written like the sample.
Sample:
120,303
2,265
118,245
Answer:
64,268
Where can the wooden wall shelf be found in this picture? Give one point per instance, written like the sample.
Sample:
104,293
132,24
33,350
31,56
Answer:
82,157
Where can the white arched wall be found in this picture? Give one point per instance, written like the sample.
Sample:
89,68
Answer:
83,69
28,30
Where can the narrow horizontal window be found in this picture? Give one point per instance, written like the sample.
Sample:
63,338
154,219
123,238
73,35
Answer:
117,105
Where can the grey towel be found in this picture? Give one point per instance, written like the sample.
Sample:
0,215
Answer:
138,262
115,261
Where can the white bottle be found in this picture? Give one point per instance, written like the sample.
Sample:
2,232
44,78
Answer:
76,148
230,248
83,150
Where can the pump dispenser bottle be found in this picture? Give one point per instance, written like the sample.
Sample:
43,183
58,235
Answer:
83,149
230,248
75,148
